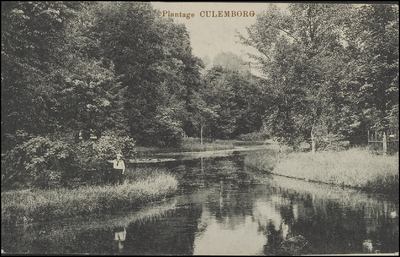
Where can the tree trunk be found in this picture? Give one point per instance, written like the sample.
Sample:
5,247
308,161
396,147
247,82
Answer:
201,135
384,143
313,144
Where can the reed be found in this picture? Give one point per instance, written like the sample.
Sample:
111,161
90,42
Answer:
41,205
264,160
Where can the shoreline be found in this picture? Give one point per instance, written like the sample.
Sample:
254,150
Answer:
354,168
33,205
25,206
166,156
28,206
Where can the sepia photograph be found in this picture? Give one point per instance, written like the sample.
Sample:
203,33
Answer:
199,128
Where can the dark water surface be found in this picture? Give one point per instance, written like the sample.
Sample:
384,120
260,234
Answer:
222,207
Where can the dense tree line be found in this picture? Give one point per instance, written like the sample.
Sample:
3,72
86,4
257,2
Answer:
94,67
332,70
121,72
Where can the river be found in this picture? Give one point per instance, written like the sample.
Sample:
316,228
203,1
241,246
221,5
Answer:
223,207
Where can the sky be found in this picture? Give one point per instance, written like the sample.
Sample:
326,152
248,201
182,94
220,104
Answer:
210,36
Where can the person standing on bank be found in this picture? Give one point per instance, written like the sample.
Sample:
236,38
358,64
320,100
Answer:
118,169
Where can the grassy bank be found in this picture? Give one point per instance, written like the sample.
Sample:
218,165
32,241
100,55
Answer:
39,205
189,144
355,168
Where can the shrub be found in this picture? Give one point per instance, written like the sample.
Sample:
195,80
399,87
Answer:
9,141
91,154
332,142
43,162
37,162
163,134
90,157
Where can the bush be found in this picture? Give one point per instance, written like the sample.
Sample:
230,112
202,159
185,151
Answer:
92,154
162,134
37,162
90,157
332,142
9,141
44,163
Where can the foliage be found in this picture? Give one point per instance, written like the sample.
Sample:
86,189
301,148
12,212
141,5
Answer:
156,67
37,162
45,162
32,43
89,98
93,155
330,69
127,74
191,144
237,101
203,114
373,38
232,62
51,83
166,129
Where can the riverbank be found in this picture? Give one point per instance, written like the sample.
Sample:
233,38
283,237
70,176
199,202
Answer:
356,168
23,206
42,205
192,149
193,145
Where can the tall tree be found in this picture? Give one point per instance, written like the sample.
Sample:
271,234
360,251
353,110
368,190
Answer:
153,59
202,114
51,80
373,38
33,45
239,97
300,53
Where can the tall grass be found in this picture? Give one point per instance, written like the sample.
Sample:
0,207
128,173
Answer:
264,160
355,167
40,205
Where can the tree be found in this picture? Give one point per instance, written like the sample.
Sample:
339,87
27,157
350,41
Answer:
300,53
202,114
232,62
33,45
239,97
51,81
373,38
153,59
52,87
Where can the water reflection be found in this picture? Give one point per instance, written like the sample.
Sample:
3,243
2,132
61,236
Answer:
119,237
219,239
224,209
